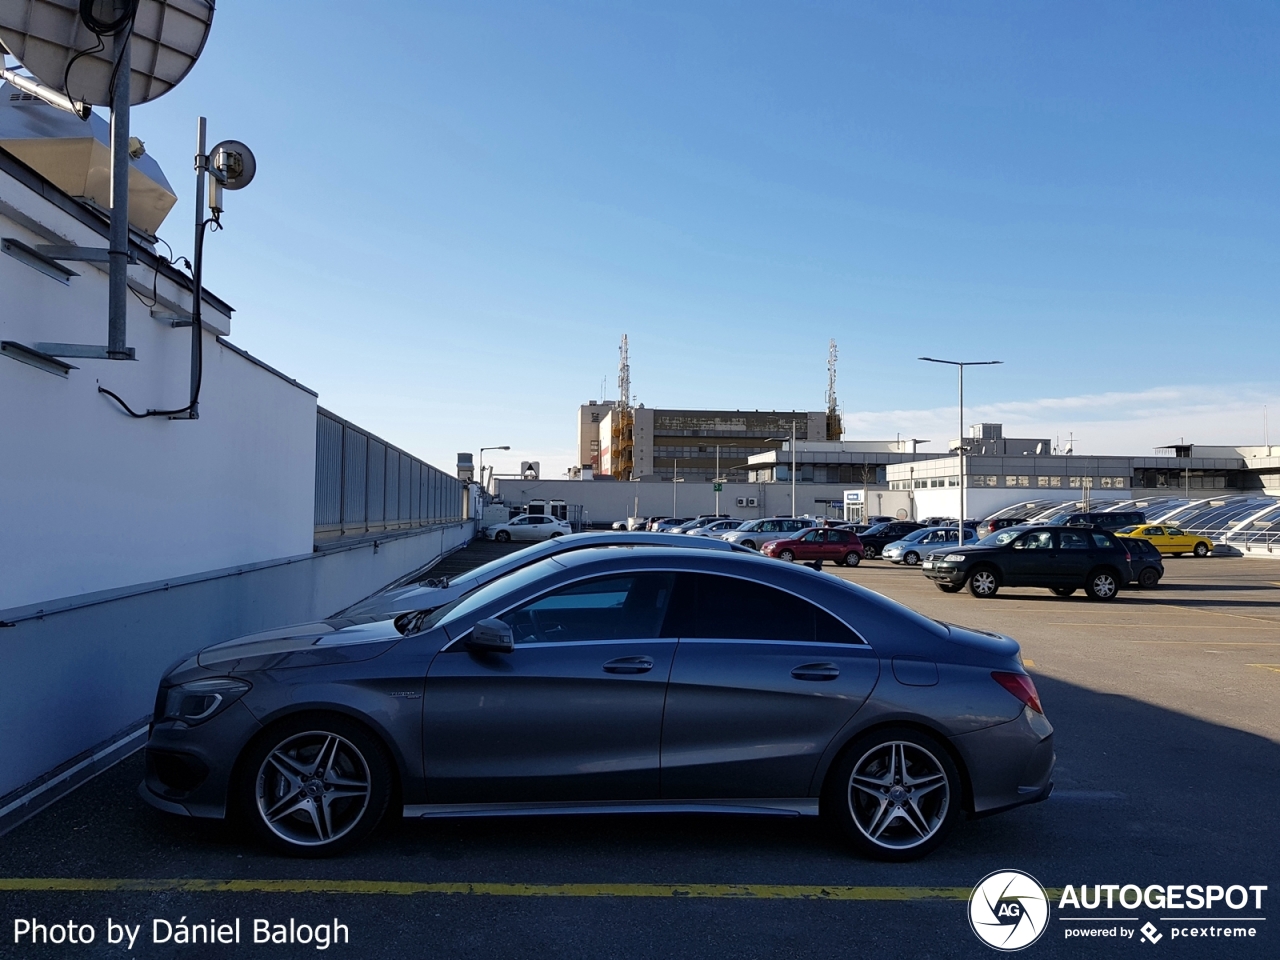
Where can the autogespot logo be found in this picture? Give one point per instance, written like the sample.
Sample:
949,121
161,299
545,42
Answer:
1008,910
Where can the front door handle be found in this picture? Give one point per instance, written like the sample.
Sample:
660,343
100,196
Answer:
629,665
816,671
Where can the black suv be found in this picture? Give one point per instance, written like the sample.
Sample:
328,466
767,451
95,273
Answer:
1145,564
1107,521
1062,558
881,535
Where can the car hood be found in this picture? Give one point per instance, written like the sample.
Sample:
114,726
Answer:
347,639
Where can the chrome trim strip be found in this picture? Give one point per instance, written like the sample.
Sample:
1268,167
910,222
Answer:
800,807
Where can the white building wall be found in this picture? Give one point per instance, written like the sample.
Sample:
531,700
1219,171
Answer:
93,499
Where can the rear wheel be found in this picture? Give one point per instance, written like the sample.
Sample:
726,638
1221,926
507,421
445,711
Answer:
983,583
1102,585
787,555
895,793
314,785
1063,591
851,559
554,535
1202,549
1149,577
911,558
870,552
502,536
948,587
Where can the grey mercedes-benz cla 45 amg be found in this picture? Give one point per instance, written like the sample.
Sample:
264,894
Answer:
609,680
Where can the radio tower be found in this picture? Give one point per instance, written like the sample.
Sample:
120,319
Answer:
624,377
835,429
622,434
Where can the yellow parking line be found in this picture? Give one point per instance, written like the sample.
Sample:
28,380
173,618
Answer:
747,891
1274,667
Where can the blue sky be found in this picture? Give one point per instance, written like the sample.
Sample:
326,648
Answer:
461,207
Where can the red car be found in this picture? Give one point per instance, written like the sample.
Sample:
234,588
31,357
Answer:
823,543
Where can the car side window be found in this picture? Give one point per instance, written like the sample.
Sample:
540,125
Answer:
1104,541
1175,532
710,607
1038,540
1070,540
769,526
837,536
519,521
813,536
628,607
1153,532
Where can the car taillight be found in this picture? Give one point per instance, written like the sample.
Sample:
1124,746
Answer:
1021,686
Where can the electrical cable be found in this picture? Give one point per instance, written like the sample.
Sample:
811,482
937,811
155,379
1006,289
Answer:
107,28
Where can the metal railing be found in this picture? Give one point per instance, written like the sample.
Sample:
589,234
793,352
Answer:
364,485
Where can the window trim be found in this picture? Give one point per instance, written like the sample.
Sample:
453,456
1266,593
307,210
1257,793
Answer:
862,641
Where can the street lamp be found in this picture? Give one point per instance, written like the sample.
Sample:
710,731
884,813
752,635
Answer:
483,485
793,463
716,483
960,365
675,478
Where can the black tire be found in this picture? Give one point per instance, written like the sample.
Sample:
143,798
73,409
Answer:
911,558
787,555
948,587
1148,578
1201,550
984,583
749,544
502,536
1178,554
282,762
851,559
1063,591
894,820
554,535
869,552
1102,584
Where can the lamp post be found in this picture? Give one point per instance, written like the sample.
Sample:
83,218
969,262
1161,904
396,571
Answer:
675,478
960,365
483,485
716,483
793,463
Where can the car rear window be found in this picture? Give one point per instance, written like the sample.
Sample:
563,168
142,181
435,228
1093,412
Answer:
1105,540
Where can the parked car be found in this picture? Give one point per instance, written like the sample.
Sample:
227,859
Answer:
637,523
670,524
528,527
618,525
1170,541
697,524
915,545
989,526
940,521
872,521
717,527
1107,521
756,533
820,543
881,535
1064,559
1146,569
652,523
436,592
787,691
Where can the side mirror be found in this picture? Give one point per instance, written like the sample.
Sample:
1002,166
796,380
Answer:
490,636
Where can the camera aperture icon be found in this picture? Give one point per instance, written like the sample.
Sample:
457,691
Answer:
1008,910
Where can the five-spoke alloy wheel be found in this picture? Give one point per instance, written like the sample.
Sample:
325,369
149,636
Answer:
895,793
315,785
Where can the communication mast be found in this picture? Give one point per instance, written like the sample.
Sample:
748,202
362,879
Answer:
835,429
622,421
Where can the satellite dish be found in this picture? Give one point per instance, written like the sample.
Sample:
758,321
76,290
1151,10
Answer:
235,162
75,54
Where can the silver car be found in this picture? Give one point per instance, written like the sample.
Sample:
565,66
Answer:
756,533
917,544
436,592
609,680
716,528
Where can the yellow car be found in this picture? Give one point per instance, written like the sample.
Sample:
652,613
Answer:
1169,540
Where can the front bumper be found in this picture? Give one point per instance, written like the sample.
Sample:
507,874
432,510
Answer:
189,769
1010,764
943,572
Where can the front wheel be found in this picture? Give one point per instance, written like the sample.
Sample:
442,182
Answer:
851,559
749,544
1201,550
870,552
1148,578
895,794
554,535
1063,591
787,555
314,785
983,583
1102,585
502,536
911,558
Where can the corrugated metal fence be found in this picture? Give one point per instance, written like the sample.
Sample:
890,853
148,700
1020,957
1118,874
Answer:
365,485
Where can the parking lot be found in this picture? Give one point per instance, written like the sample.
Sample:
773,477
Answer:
1166,705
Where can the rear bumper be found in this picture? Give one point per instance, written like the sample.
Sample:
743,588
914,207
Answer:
1010,764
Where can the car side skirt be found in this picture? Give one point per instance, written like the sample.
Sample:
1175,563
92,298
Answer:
798,807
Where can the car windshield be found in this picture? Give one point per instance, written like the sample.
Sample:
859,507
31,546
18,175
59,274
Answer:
915,535
999,538
1125,530
512,561
411,623
877,529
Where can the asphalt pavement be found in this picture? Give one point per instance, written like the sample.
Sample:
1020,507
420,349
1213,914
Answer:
1166,705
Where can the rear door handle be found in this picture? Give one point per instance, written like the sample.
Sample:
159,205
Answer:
816,671
629,665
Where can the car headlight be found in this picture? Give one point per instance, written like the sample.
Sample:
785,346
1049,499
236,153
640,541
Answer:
953,558
197,701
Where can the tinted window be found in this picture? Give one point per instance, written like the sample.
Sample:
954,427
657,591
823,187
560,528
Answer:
837,536
1153,532
1039,540
726,608
1105,540
1070,540
1175,532
999,539
768,526
608,608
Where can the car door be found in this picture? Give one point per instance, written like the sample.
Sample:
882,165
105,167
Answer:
810,546
1031,559
1179,541
1155,535
573,713
836,545
762,682
1076,556
518,527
